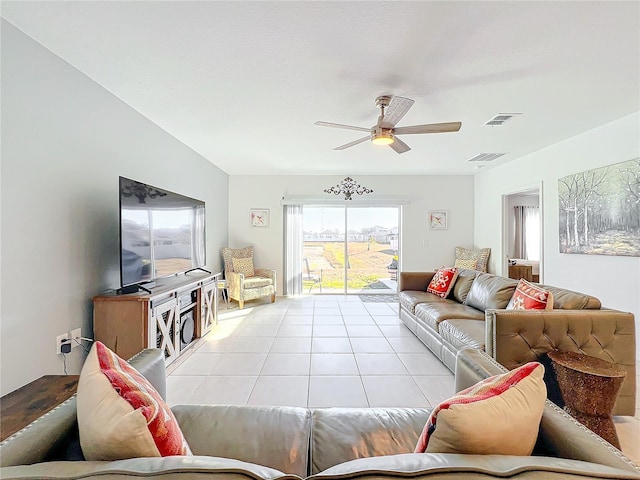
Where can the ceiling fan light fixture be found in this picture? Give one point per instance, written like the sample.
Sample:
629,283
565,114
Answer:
383,138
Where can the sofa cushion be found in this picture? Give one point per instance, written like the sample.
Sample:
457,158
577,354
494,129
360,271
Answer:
277,437
455,466
528,296
174,468
569,300
432,313
499,415
120,414
463,333
343,434
443,281
490,291
409,299
463,284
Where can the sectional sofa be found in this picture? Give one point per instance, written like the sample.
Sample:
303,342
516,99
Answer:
289,443
475,315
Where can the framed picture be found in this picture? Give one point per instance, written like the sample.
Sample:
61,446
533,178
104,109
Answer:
259,217
438,219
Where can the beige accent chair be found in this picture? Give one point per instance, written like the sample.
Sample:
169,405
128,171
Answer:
241,287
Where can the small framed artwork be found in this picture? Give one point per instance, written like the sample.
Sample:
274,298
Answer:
259,217
438,219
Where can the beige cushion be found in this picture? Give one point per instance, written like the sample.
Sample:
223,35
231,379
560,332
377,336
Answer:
244,266
479,256
498,416
468,264
255,282
120,414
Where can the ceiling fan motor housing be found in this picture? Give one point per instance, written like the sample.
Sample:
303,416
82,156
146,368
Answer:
382,136
383,101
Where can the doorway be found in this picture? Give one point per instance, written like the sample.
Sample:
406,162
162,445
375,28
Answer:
522,234
350,250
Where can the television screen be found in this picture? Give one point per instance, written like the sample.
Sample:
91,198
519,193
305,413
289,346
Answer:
161,233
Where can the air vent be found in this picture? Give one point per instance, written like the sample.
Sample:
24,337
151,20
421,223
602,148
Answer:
486,157
500,119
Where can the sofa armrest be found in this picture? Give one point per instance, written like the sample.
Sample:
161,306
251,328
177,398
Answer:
268,273
414,281
515,337
151,363
556,426
235,284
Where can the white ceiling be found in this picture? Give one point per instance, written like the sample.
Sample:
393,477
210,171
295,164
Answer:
242,83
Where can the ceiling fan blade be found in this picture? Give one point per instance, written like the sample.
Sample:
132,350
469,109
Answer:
398,108
399,146
355,142
339,125
428,128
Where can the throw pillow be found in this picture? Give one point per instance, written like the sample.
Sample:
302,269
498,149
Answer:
467,264
120,414
480,256
498,416
244,266
530,297
442,282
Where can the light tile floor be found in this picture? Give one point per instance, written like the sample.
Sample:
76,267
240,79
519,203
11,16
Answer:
322,351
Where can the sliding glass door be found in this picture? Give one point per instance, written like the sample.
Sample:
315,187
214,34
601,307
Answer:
350,249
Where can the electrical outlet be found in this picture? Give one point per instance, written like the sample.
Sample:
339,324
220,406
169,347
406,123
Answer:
75,335
62,340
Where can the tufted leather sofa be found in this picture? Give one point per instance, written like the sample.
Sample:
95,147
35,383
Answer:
474,316
290,443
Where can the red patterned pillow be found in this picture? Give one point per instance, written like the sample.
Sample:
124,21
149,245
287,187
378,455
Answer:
497,416
530,297
120,414
442,282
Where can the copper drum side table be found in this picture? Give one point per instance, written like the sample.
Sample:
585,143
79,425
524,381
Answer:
589,388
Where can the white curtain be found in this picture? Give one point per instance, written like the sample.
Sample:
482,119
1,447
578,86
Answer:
292,249
527,233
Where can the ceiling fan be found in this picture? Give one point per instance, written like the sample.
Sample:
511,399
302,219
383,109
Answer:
392,109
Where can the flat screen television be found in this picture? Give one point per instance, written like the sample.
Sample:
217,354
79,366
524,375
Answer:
162,233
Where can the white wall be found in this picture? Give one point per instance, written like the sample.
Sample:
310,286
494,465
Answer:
614,280
422,249
65,141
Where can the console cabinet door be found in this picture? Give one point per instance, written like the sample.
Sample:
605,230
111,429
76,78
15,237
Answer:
163,329
208,317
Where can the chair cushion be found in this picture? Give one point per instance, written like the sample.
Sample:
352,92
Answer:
256,282
244,266
432,313
229,254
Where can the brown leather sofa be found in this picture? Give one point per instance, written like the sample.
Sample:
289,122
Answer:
290,443
474,316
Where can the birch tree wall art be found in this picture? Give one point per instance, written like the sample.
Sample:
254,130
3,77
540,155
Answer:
600,210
